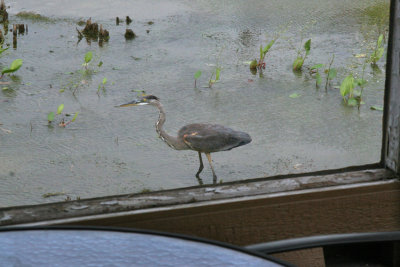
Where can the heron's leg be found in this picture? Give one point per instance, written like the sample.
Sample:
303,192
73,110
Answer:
200,169
212,169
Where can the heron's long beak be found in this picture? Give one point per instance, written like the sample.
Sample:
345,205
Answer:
135,102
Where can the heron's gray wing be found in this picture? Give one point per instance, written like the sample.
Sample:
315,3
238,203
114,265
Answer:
212,137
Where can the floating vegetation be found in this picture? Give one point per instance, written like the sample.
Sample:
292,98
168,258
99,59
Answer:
62,123
2,50
55,194
378,14
294,95
379,108
139,93
33,16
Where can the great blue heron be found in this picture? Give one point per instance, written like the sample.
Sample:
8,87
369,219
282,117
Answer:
201,137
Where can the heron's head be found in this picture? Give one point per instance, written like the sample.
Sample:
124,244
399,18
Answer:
143,100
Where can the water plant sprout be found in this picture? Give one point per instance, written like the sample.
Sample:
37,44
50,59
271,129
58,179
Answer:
15,65
350,95
217,73
88,57
378,51
299,61
196,76
330,73
260,64
102,85
51,116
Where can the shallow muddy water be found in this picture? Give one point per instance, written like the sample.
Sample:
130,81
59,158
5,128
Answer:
109,150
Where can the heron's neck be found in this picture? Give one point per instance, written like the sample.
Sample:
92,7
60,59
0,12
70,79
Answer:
172,141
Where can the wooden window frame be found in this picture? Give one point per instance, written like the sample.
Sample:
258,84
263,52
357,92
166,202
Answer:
355,199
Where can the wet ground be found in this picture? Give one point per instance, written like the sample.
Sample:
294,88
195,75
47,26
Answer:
109,151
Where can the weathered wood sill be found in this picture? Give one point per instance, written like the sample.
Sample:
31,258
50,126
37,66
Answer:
75,211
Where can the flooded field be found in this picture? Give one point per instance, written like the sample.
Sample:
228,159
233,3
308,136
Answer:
295,127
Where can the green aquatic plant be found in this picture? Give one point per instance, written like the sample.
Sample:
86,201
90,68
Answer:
32,16
217,73
379,108
196,76
299,61
352,88
352,96
88,57
83,76
347,89
260,63
60,109
102,85
253,64
51,116
294,95
315,70
263,52
378,13
47,195
15,65
330,73
2,49
378,51
139,92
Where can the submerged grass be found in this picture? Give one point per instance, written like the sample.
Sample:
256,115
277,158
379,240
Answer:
33,16
378,13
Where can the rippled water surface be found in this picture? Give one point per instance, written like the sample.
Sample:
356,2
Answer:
109,151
